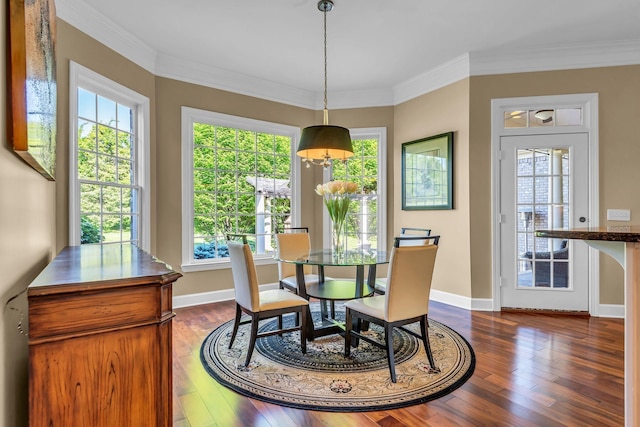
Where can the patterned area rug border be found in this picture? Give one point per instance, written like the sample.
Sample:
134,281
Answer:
325,380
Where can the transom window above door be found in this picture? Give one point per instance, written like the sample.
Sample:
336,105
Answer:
543,117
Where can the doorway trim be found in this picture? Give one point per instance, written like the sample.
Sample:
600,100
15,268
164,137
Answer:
589,104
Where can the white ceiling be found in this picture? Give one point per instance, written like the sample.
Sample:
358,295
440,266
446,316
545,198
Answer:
380,52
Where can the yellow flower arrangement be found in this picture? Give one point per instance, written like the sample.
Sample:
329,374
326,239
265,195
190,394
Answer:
336,199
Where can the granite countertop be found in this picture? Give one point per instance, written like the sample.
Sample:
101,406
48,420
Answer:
613,233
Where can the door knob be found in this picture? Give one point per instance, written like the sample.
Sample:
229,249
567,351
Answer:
582,219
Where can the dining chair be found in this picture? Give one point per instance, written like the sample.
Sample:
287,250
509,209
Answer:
258,304
292,245
381,283
406,300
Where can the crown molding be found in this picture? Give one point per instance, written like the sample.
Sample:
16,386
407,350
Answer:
381,97
219,78
91,22
105,31
436,78
566,57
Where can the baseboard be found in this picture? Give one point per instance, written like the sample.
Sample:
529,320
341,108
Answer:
611,310
180,301
545,311
473,304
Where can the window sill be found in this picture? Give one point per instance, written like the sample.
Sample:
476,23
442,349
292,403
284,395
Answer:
219,265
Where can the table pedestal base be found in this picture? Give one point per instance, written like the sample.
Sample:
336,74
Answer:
333,290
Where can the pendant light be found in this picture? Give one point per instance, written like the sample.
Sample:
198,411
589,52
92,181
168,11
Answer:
322,144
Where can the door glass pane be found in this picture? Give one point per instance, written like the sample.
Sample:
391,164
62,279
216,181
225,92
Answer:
542,203
541,161
541,189
525,189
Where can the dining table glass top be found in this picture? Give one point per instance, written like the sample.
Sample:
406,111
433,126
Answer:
352,257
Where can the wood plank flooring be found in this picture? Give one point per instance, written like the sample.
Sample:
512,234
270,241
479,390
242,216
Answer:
532,369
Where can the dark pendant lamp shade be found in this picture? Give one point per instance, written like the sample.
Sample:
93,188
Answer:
325,141
321,144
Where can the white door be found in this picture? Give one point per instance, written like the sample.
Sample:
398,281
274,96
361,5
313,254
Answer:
543,185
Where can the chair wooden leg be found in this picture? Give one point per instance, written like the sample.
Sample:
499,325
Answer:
309,324
236,323
347,333
360,325
303,328
424,328
252,339
388,338
280,324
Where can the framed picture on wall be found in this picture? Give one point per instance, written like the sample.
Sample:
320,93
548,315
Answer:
427,173
32,34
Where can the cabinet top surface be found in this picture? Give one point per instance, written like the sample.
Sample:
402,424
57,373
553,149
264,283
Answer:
97,264
615,233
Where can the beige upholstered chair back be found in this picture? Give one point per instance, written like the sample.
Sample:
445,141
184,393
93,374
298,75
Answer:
292,246
245,278
409,281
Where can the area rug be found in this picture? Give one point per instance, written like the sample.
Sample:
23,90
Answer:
323,379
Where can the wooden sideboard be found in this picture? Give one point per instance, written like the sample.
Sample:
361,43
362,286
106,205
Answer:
100,350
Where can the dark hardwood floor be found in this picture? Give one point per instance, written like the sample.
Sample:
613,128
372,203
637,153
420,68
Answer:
531,370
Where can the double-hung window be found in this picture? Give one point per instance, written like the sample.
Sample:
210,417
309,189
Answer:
109,162
366,219
238,177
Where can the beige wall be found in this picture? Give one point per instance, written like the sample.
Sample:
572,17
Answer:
27,227
440,111
618,90
171,96
465,107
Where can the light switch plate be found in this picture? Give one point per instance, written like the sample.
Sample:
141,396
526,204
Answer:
618,215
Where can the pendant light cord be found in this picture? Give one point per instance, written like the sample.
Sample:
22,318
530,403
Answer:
326,111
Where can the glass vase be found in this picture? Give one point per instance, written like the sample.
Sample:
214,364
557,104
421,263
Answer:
338,237
338,207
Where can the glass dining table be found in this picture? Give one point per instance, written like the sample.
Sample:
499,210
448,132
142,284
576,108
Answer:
332,290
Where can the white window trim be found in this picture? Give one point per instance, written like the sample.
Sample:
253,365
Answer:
379,133
80,76
193,115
